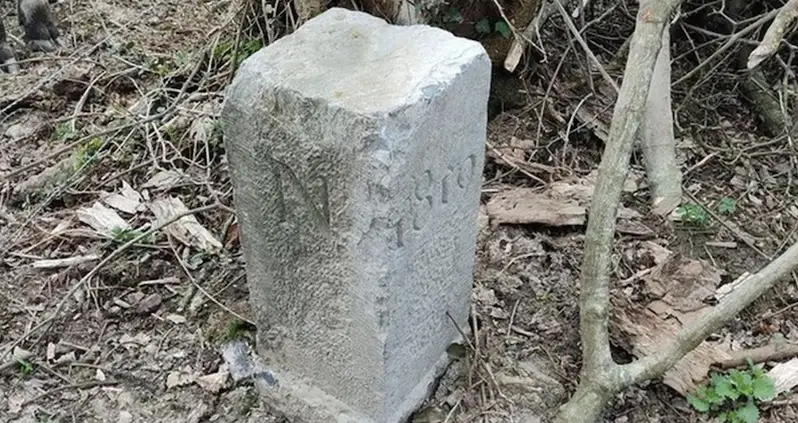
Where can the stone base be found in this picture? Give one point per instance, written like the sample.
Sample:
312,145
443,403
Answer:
301,403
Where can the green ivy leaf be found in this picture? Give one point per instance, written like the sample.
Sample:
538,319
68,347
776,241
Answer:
454,16
748,413
504,29
764,389
482,26
700,405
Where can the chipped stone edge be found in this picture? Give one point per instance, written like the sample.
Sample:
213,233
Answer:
292,397
302,403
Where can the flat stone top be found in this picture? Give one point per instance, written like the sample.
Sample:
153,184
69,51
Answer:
360,62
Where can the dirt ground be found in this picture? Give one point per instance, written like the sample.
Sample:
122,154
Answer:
121,123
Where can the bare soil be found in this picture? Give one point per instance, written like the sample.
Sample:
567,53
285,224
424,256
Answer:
133,97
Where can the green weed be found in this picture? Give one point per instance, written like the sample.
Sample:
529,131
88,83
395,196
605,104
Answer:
26,367
121,236
727,206
693,215
734,397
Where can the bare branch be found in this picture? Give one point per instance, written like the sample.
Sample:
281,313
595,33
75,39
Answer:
570,24
775,33
731,42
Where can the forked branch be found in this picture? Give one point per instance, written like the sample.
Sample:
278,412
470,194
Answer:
601,377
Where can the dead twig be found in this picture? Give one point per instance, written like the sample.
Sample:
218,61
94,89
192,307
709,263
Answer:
770,352
727,45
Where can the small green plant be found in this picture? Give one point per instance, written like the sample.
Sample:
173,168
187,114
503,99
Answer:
121,236
171,133
26,367
436,14
224,51
727,206
161,66
182,58
546,297
238,329
484,27
456,351
734,397
693,214
65,132
197,259
87,153
217,134
502,28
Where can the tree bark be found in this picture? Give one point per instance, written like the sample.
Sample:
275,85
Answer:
659,145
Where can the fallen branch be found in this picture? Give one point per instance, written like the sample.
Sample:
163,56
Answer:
770,352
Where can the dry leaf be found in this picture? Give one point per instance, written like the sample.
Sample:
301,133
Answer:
128,200
164,180
101,219
785,375
214,382
187,230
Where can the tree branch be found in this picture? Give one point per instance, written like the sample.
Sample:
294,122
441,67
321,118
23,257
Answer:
775,33
627,117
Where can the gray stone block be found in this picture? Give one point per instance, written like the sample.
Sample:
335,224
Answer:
356,150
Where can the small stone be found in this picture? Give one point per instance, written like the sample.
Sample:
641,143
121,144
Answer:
124,417
149,304
214,382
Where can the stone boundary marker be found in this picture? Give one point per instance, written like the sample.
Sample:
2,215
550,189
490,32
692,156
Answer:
356,151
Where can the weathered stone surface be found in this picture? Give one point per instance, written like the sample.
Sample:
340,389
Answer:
356,153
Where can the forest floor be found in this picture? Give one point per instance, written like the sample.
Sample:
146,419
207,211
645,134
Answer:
117,130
